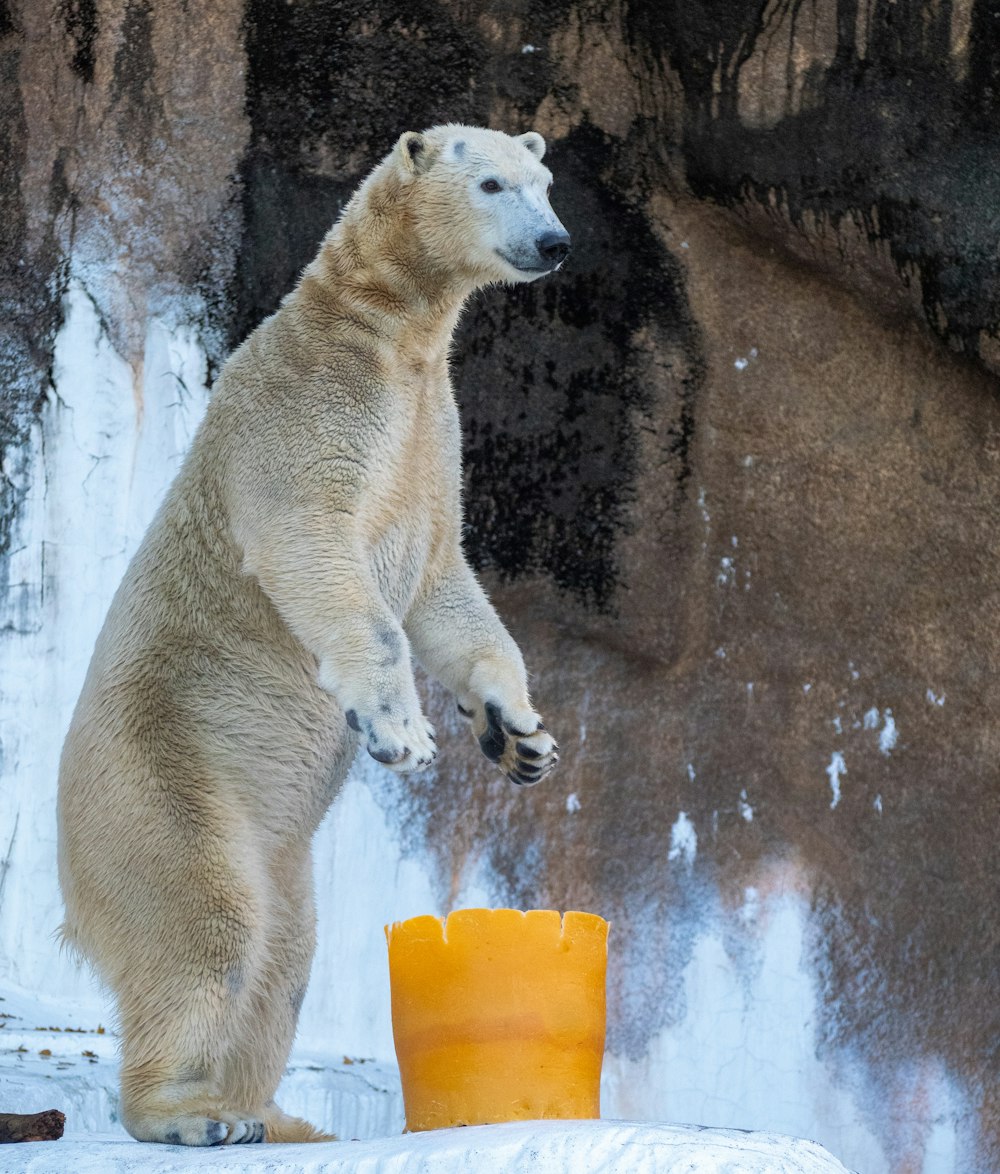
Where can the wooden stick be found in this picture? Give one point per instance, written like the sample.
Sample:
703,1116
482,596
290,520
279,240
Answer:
47,1126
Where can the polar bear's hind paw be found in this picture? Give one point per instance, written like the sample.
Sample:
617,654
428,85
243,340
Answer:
204,1131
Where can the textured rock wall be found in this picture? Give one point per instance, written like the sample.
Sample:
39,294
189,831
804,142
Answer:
731,474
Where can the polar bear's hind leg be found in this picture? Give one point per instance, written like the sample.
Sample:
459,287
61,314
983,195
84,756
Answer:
256,1061
184,991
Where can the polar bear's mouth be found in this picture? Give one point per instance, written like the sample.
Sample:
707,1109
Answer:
526,268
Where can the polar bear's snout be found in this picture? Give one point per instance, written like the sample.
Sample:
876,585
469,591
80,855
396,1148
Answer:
534,249
553,247
536,241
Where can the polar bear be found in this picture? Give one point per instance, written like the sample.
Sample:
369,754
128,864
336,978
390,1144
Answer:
309,547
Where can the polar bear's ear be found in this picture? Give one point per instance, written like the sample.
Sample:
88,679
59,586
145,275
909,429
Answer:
414,153
534,142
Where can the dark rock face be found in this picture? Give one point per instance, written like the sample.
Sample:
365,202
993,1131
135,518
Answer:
883,130
30,305
731,474
554,389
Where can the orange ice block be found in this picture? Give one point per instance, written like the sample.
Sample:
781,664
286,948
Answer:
498,1015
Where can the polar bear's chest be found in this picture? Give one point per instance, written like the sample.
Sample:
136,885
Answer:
398,561
418,500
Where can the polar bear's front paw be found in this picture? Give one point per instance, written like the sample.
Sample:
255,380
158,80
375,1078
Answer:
402,743
517,742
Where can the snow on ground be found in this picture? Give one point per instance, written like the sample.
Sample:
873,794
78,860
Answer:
559,1147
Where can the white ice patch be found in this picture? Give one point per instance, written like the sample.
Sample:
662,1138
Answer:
572,803
584,710
746,1052
706,517
683,840
726,572
750,910
356,898
744,807
934,699
834,772
878,805
690,771
888,737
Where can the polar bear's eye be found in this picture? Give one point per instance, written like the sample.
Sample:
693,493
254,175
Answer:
490,185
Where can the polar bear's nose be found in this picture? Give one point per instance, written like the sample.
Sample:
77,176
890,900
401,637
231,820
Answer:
553,246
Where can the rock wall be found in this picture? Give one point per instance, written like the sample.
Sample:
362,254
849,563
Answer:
731,477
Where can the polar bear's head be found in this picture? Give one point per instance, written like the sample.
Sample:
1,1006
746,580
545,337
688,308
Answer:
479,200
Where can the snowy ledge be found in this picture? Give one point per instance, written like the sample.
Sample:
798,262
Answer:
76,1070
559,1147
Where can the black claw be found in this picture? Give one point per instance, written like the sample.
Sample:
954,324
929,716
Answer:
352,720
526,751
531,772
387,756
492,740
522,780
